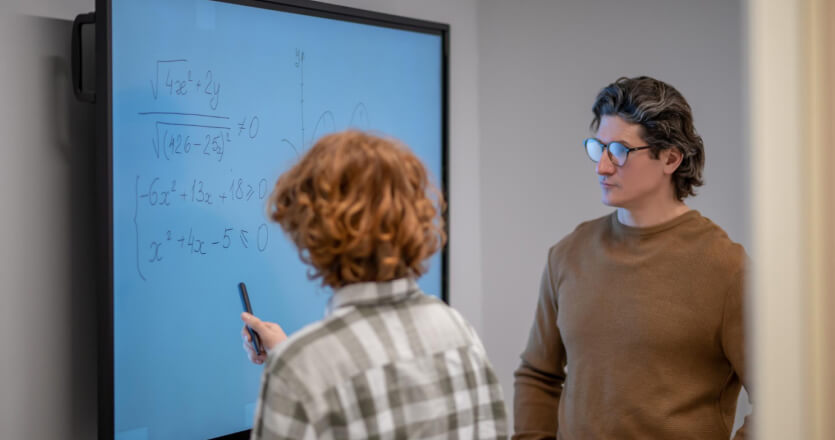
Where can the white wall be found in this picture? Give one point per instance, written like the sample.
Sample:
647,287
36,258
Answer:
47,321
541,64
523,76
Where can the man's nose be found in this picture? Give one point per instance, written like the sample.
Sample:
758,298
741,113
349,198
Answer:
605,167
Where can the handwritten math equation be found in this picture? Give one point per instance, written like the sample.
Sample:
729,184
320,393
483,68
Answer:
193,126
153,196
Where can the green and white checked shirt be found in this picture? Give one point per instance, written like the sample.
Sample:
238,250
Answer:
388,362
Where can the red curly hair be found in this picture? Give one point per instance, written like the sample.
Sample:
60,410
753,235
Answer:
358,208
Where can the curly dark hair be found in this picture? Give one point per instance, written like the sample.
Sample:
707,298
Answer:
360,208
667,122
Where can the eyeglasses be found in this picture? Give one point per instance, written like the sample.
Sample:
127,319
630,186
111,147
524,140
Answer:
617,151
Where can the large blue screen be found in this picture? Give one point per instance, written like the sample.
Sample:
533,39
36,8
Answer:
210,103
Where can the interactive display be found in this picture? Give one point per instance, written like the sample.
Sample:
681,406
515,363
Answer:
211,101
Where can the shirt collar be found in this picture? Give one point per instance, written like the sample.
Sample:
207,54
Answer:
372,293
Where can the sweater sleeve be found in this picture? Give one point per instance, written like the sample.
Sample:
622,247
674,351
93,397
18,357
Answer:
539,379
733,341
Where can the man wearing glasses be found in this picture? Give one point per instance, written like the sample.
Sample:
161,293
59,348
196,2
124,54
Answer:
639,331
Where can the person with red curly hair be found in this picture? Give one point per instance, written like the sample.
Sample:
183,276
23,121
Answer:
387,361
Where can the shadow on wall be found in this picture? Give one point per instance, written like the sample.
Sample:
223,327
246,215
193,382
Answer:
69,139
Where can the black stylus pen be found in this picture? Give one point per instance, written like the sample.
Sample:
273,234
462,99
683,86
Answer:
256,340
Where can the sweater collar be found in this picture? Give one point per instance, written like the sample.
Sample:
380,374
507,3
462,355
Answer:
622,229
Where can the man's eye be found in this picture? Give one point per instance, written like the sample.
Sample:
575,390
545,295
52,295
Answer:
617,148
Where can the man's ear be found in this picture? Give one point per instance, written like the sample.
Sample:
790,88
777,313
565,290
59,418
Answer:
672,158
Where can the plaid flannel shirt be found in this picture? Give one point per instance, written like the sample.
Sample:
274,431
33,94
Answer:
388,362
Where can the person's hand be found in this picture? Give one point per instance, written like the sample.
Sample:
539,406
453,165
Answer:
271,335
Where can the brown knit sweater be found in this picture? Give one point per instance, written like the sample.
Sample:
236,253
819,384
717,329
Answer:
638,335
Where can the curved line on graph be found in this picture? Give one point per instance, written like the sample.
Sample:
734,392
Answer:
319,122
361,110
287,141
